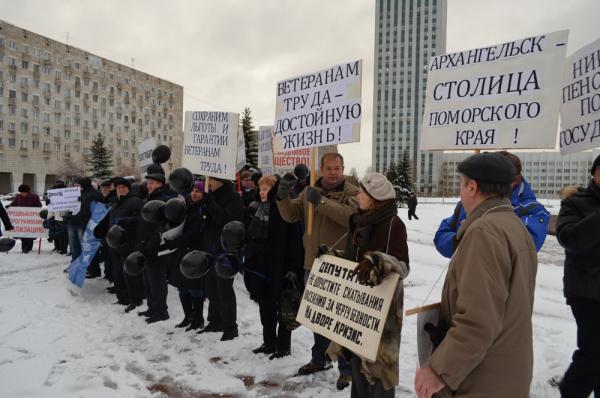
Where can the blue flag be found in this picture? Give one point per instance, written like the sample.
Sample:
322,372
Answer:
89,245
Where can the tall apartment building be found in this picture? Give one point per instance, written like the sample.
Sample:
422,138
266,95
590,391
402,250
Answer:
407,34
55,99
547,172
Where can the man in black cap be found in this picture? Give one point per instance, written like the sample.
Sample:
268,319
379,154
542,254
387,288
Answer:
223,205
487,299
147,241
578,231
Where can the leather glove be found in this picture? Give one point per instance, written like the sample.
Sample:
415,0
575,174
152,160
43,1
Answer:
313,195
363,270
9,227
321,250
437,333
285,186
290,276
252,208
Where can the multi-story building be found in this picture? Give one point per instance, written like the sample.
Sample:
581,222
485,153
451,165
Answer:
55,99
547,172
407,34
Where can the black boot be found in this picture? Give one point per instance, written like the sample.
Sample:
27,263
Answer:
197,314
186,304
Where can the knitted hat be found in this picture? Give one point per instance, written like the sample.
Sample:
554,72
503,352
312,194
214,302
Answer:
199,185
488,167
595,164
121,181
106,183
378,187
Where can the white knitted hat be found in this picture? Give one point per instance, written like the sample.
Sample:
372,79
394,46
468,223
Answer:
378,187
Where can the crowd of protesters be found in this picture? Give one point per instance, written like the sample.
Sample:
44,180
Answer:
196,233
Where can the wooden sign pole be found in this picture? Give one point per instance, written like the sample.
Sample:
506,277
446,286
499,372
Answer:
313,177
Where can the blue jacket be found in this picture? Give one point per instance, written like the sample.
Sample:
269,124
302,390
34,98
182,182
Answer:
533,215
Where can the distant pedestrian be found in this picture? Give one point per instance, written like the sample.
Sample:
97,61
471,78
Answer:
412,206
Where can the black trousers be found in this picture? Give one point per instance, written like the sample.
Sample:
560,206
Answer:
412,213
128,288
222,306
274,331
361,387
583,375
27,244
155,282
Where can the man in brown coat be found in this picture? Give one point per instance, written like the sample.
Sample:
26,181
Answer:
334,201
487,299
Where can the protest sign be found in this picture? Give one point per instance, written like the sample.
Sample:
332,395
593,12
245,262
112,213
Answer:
498,97
285,162
580,101
64,199
27,223
210,143
145,155
320,108
241,149
336,306
265,150
89,245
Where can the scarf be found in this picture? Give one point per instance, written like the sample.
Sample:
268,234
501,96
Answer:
361,223
259,227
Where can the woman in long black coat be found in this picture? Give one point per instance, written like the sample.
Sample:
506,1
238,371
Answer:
191,291
274,256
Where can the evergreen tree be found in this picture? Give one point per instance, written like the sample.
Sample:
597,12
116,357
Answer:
404,171
251,139
400,175
99,160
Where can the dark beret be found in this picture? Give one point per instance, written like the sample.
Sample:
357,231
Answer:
488,167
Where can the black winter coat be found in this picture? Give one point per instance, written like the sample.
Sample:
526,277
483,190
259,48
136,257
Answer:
125,211
191,239
222,206
274,257
147,236
88,195
578,231
4,217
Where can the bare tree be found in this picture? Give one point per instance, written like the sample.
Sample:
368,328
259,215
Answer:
71,170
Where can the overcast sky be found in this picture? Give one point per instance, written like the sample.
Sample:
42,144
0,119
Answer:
229,54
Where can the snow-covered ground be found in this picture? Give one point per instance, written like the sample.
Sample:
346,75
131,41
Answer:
57,340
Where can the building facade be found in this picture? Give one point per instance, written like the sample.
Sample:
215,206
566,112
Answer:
547,172
55,99
407,34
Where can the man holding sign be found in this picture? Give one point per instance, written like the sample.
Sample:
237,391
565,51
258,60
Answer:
334,202
487,299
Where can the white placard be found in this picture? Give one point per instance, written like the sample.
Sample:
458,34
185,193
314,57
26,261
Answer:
210,143
64,199
336,306
145,155
498,97
241,149
265,150
320,108
27,223
580,101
